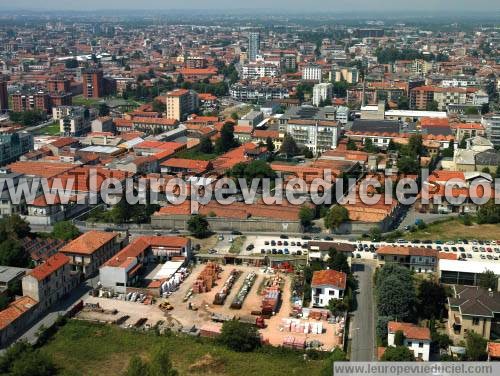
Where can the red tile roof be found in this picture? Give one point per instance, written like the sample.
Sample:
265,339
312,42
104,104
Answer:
407,251
191,164
52,264
494,349
15,310
411,331
329,278
89,242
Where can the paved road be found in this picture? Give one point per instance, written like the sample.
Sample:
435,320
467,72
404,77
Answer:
362,326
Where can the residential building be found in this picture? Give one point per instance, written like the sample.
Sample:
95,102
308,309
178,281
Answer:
312,73
258,92
13,145
473,308
492,125
4,96
322,93
317,135
350,75
59,84
420,260
49,282
180,103
93,83
253,45
14,319
103,124
122,270
327,285
7,206
251,119
90,250
254,71
416,338
30,101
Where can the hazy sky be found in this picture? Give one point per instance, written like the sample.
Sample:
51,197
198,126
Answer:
308,5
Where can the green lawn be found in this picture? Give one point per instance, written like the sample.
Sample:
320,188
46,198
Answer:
196,155
79,100
81,348
454,229
49,130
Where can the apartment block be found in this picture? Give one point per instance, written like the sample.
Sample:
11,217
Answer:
180,103
93,83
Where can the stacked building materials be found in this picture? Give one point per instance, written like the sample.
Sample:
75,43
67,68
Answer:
271,300
319,314
221,296
297,326
206,279
210,330
294,343
237,303
288,342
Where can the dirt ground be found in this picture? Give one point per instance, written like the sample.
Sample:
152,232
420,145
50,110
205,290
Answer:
272,332
181,315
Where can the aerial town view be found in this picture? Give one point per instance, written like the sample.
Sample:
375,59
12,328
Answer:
266,188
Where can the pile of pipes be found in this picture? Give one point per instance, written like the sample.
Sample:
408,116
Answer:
171,284
206,279
244,290
221,296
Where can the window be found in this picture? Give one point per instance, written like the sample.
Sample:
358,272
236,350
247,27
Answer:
475,321
420,344
409,343
120,284
331,292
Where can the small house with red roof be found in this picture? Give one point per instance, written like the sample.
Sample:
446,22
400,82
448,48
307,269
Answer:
416,338
327,285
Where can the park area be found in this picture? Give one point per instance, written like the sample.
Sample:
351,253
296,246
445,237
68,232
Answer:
82,348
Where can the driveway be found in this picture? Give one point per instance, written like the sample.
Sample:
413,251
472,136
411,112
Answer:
362,328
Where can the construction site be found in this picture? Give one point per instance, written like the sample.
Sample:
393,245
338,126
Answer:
210,294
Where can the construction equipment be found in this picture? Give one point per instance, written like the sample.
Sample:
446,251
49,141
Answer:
166,306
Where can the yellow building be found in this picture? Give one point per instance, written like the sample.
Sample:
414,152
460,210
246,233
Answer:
180,103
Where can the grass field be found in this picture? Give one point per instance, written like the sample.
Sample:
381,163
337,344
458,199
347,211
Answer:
79,100
81,348
50,130
196,155
454,229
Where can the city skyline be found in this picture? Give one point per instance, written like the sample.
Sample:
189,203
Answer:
390,6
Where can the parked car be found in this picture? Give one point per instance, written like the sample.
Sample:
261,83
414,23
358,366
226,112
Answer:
250,247
235,232
282,236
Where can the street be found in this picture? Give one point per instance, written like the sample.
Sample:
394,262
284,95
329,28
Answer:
362,327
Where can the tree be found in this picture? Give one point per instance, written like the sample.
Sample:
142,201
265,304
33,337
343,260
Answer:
463,144
270,144
432,106
289,146
381,328
369,146
399,338
33,363
488,213
431,299
206,145
392,145
335,217
403,103
488,280
306,215
65,230
234,116
12,253
198,226
13,226
351,145
71,64
375,234
161,364
475,347
337,356
239,336
136,367
103,109
254,170
337,306
398,354
449,151
338,261
471,111
408,165
226,141
415,145
395,292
